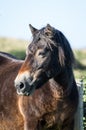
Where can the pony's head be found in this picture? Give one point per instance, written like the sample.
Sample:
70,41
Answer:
46,56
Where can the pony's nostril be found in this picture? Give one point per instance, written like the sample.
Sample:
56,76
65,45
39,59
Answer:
21,85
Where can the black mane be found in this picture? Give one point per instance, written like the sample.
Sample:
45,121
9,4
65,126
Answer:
64,43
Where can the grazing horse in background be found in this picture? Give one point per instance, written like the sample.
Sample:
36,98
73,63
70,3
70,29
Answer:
10,117
48,95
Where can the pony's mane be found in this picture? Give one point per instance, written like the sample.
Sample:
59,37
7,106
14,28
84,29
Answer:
65,45
60,42
64,48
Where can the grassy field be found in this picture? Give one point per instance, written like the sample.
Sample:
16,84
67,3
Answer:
13,46
80,67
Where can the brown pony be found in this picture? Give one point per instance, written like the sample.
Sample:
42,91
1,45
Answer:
10,117
48,96
46,76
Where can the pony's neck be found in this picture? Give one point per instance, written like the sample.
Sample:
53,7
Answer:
65,78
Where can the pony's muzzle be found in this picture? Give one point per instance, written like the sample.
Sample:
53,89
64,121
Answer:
23,88
20,87
23,85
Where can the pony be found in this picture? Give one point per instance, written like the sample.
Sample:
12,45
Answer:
45,83
10,117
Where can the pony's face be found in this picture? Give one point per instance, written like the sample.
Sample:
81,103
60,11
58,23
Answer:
44,59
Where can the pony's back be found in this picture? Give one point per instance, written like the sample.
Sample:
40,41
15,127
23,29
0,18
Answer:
10,118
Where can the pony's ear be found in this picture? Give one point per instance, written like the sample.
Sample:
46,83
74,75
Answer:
48,31
61,56
49,27
33,30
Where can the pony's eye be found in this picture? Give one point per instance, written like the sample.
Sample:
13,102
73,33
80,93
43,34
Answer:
41,54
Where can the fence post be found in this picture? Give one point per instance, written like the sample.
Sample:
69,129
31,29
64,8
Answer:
79,113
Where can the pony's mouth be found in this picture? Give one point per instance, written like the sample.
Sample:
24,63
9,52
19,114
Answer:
30,87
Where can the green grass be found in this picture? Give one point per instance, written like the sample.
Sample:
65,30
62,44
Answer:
80,71
13,46
81,56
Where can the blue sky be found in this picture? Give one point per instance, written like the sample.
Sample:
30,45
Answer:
69,16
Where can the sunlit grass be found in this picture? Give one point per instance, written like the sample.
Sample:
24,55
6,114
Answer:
80,74
81,55
13,46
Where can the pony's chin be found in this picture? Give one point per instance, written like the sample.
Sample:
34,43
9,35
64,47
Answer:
23,93
26,93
